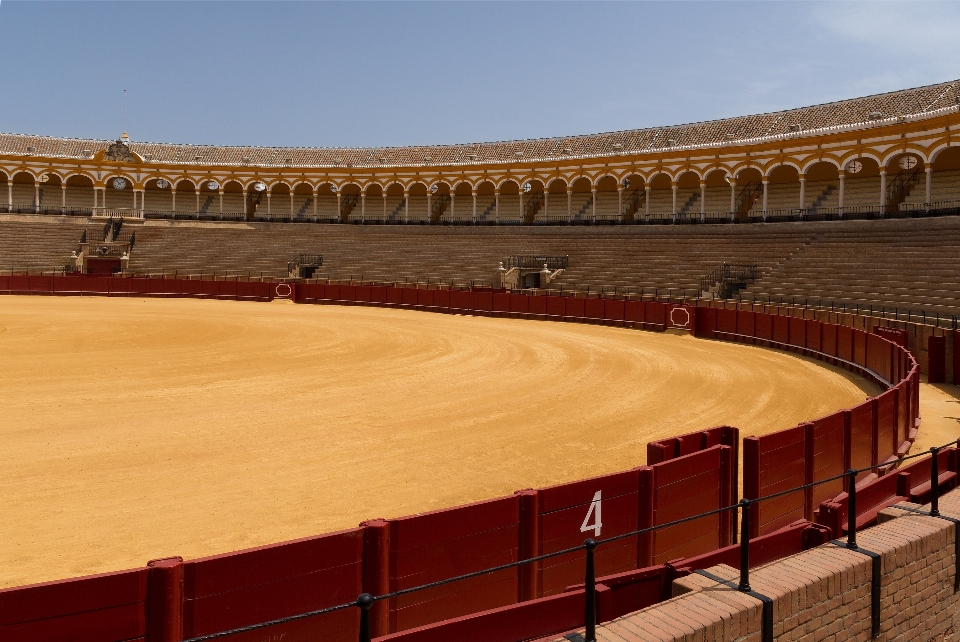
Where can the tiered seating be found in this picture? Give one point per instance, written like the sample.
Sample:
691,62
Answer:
944,186
898,263
661,203
861,192
33,243
607,206
822,194
510,211
718,199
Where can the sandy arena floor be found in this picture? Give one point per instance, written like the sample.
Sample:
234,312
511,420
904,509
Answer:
134,429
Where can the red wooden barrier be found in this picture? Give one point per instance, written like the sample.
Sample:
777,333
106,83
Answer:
679,488
844,342
537,305
830,452
956,357
236,589
859,347
655,312
593,308
936,359
763,326
746,323
98,608
600,508
828,339
771,464
781,329
633,590
798,332
814,331
556,306
880,356
614,309
916,476
574,308
500,302
872,497
863,451
727,321
520,303
706,323
524,621
442,544
886,427
894,335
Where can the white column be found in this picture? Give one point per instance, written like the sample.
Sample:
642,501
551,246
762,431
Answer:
929,170
703,201
384,205
733,198
406,207
521,204
803,193
10,194
268,205
36,197
473,193
620,202
314,192
496,210
593,197
173,200
546,204
673,187
843,175
569,204
646,199
63,197
883,190
221,201
765,183
291,204
429,208
363,206
197,192
453,205
339,208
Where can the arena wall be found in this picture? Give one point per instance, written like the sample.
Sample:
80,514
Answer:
246,587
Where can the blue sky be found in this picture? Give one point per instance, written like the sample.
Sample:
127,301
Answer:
398,73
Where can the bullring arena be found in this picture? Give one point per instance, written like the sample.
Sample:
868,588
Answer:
287,378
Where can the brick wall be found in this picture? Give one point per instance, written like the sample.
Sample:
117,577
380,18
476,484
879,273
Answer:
823,594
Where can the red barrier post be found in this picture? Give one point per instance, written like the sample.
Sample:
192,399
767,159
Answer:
529,543
936,359
165,600
376,572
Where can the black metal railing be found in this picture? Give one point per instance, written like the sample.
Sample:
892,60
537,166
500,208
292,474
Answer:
537,262
365,600
729,273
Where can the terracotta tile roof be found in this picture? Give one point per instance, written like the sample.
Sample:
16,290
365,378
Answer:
857,112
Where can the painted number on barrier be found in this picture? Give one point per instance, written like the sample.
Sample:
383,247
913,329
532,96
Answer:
593,511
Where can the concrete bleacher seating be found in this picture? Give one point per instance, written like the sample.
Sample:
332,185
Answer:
906,263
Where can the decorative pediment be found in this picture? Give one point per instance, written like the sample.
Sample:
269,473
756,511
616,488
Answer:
120,151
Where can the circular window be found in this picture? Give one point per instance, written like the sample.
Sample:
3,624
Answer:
908,162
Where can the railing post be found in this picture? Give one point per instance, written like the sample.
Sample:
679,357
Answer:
934,483
590,595
851,508
365,601
744,585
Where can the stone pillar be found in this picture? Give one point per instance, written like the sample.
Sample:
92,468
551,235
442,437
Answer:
673,187
453,205
733,198
173,200
765,183
220,191
928,198
36,197
883,191
546,204
63,198
268,204
339,207
521,203
646,200
406,206
315,196
291,204
363,206
803,193
843,175
496,199
569,204
473,193
429,209
593,197
384,205
620,202
703,201
10,194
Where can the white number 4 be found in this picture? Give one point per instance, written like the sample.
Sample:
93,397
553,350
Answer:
593,511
